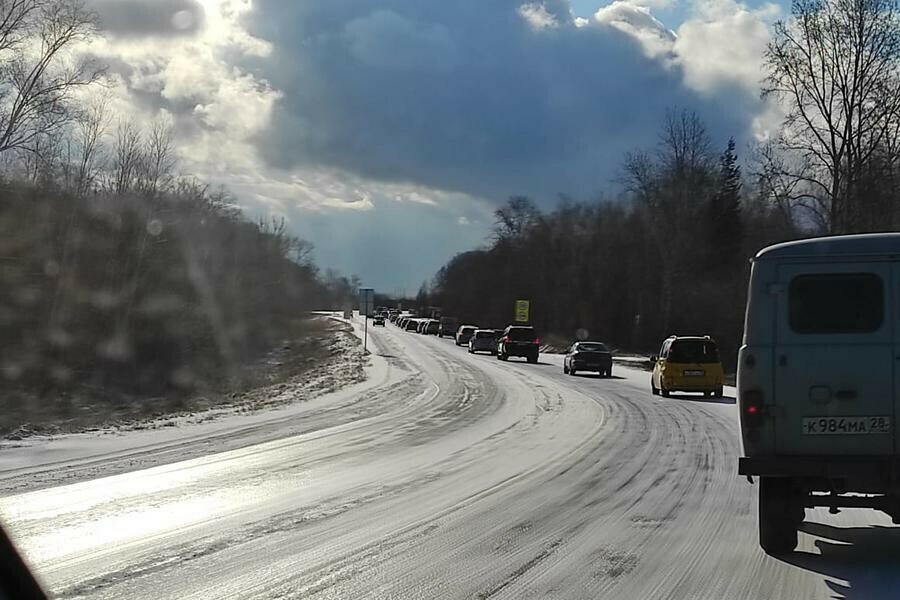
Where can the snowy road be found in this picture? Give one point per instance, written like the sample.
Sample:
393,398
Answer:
453,476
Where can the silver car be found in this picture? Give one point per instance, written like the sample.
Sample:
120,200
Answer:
483,340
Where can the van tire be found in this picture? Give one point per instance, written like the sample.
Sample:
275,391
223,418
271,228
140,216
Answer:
777,516
718,393
665,393
565,369
653,389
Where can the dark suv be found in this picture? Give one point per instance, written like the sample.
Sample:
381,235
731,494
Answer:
519,340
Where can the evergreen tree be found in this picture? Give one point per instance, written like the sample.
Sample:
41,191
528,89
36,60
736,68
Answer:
724,215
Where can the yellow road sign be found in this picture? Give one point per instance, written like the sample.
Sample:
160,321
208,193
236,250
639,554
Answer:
522,310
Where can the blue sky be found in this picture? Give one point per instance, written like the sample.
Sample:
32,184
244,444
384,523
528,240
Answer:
386,132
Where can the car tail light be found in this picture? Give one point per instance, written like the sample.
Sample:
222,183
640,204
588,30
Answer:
505,339
753,408
537,341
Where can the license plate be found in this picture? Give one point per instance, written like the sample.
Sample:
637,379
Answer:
694,373
845,425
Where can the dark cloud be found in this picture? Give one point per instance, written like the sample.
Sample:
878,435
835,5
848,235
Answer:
139,18
468,95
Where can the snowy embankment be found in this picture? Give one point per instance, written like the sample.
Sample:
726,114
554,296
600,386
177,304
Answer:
258,415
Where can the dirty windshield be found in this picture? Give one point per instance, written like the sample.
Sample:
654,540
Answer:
238,239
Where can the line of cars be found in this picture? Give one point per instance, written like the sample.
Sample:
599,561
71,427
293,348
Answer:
684,364
513,341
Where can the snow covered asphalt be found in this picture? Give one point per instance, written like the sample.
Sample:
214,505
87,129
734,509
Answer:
445,475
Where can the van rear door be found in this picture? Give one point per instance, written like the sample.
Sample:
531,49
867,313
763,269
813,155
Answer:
833,359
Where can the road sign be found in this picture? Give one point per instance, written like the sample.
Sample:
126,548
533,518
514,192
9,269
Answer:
523,307
366,301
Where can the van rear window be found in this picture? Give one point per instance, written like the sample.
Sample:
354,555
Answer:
836,303
693,351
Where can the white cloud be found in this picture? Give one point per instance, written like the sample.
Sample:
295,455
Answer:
637,21
723,44
537,15
720,45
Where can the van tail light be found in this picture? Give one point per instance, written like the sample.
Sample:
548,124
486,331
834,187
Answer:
753,411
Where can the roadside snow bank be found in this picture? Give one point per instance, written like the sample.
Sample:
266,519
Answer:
40,459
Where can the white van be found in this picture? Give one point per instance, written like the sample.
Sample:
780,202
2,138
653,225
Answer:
817,384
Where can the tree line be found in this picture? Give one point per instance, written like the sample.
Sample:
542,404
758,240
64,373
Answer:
670,254
671,259
121,279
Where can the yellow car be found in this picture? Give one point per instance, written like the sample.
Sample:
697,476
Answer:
687,364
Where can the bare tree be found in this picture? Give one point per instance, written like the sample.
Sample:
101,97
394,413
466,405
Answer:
39,68
684,144
15,23
158,164
835,65
672,189
90,128
515,218
43,158
126,156
782,182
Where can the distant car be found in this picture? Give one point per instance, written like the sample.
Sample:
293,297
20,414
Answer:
378,320
687,364
420,325
432,327
519,340
588,356
448,327
464,333
410,325
483,340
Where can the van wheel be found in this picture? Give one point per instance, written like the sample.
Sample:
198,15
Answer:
665,393
653,389
565,369
718,393
572,371
777,515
